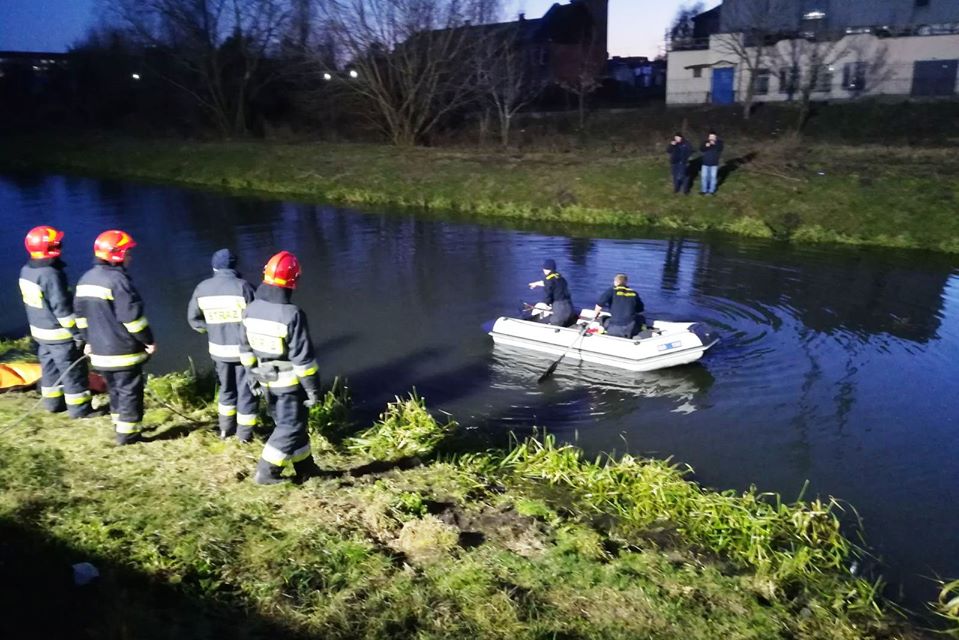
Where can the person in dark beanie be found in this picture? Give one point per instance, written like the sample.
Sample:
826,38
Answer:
216,309
555,295
679,151
712,151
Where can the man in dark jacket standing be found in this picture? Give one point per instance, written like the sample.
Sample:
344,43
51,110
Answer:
625,307
118,336
679,151
556,295
216,309
53,325
712,151
277,352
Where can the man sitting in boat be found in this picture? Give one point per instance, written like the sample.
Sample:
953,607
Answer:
555,295
625,308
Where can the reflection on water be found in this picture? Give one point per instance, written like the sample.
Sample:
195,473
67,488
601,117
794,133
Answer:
836,365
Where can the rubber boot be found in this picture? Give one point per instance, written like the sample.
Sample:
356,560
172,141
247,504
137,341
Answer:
124,439
267,473
244,434
306,469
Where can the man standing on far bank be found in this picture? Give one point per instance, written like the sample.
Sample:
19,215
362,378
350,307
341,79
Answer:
712,151
679,151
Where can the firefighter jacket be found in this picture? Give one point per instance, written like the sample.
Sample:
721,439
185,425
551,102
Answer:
623,304
275,334
110,318
47,299
216,309
555,289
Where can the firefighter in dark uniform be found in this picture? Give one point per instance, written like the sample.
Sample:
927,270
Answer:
53,325
625,308
277,351
216,309
556,295
118,336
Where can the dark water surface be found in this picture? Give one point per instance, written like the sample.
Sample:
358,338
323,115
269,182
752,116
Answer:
838,366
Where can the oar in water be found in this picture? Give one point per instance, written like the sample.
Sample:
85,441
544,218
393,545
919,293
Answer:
543,378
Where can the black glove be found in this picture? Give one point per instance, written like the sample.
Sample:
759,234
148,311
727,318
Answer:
79,342
311,399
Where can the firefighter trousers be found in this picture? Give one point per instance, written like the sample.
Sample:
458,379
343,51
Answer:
237,406
72,391
126,401
289,444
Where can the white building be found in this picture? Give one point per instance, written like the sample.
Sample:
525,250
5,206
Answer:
828,49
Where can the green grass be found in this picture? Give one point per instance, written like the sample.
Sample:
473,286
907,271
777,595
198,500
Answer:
898,197
534,542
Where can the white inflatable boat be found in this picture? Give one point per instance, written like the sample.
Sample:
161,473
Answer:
667,344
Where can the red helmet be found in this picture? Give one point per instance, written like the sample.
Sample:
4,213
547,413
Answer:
282,270
112,246
43,242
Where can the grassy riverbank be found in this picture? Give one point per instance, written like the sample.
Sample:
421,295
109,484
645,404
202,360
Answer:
898,197
398,540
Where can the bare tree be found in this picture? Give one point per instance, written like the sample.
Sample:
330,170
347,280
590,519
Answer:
506,78
216,49
411,60
681,32
754,24
806,66
582,72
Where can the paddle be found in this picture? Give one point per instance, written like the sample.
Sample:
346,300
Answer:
543,378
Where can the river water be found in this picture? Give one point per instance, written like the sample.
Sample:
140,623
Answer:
837,365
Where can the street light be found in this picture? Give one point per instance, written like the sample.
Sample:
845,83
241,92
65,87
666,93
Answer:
354,74
135,76
327,76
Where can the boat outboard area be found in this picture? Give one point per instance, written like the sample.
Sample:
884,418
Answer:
662,345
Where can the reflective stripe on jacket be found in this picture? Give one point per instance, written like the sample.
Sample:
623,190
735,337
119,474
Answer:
623,304
47,299
216,308
555,289
275,331
111,319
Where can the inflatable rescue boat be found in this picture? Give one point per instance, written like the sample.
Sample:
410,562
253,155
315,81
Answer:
664,344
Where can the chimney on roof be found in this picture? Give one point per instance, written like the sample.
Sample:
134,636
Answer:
522,16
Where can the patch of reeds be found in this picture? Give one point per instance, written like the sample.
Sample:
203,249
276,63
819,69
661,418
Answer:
787,543
405,430
948,606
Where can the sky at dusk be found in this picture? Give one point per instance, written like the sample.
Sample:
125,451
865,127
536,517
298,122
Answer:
636,26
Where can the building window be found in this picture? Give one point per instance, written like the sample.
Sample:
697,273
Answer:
697,72
824,77
854,76
761,82
789,80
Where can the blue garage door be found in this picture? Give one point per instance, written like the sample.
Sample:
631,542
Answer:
723,86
